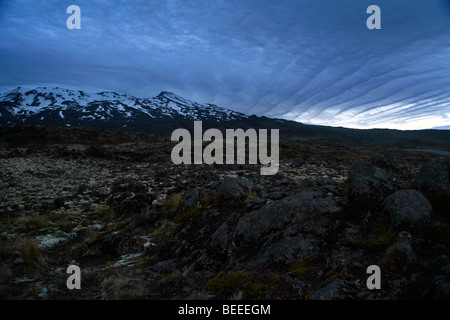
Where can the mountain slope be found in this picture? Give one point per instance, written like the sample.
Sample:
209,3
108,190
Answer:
58,106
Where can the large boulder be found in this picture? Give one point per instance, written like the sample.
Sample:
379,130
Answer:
408,207
369,184
276,215
284,230
234,189
293,243
363,169
434,177
385,162
441,288
367,193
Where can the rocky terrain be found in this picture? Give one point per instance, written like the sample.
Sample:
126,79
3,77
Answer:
140,227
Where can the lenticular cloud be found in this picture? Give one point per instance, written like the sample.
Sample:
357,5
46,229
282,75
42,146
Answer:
304,60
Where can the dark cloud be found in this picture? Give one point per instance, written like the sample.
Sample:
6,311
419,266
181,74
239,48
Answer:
312,61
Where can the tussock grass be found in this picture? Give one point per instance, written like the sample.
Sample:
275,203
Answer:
30,253
5,274
31,222
172,202
105,212
251,195
306,268
92,234
164,231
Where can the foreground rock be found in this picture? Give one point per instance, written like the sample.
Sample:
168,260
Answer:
369,184
433,177
408,207
363,170
278,214
234,189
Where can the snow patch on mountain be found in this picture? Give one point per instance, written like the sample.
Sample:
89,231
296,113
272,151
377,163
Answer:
75,106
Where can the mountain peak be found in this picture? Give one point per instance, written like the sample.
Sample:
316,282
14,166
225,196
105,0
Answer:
60,106
168,94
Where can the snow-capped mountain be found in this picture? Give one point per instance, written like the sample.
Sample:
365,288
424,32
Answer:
59,106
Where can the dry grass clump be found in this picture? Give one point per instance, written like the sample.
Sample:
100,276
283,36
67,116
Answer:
5,274
29,252
92,234
119,286
172,202
31,222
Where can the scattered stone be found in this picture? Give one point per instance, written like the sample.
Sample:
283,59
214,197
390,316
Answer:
115,245
326,181
128,185
298,162
58,203
403,246
191,198
136,204
83,188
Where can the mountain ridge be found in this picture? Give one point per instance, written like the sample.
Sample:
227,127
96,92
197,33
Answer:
75,107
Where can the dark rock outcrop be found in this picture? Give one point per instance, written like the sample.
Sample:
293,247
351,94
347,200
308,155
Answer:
276,215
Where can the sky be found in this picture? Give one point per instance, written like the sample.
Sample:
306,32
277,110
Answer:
312,61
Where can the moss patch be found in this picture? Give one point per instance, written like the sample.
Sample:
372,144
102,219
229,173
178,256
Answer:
243,284
380,242
307,267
